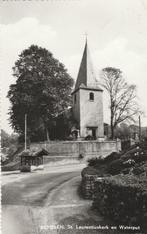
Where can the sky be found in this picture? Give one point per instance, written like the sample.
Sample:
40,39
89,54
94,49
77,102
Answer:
117,37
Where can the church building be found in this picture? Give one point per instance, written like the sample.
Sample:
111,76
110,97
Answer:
87,100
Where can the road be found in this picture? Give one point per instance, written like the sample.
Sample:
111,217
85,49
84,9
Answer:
48,202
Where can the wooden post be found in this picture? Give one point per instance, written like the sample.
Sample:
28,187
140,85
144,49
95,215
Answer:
47,135
25,131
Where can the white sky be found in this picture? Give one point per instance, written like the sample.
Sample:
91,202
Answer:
117,36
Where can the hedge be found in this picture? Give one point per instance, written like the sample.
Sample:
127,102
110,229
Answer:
123,198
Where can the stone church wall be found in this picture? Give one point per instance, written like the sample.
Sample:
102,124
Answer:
76,106
91,112
72,149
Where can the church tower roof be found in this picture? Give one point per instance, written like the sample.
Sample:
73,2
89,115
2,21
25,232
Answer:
86,76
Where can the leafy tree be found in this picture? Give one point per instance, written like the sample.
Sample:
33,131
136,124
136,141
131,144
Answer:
7,140
42,91
61,129
9,144
123,106
123,131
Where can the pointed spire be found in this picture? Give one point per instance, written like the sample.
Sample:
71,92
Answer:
86,35
86,76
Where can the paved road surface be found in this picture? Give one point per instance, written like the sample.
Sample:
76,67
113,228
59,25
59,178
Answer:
48,202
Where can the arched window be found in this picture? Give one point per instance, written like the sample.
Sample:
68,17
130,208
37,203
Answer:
91,96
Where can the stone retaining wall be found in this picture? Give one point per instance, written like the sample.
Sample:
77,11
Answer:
48,159
88,185
75,148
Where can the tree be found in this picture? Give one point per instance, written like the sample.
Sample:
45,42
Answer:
123,105
123,131
7,140
9,144
42,90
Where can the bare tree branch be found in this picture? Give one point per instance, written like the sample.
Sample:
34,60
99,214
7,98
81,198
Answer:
123,105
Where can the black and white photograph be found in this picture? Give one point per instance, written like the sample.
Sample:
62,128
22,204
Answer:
73,116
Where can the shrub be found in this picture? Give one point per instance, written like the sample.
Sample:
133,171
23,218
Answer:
115,166
111,157
122,197
94,162
25,168
81,156
138,154
89,171
138,170
89,138
128,163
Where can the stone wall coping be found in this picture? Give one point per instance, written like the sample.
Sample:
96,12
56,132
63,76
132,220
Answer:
66,142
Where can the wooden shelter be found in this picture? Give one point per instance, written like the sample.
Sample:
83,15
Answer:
30,158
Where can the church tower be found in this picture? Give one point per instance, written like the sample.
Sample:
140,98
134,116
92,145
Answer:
87,100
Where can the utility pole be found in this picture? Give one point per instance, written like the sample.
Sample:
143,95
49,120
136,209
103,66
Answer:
139,128
25,132
47,135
